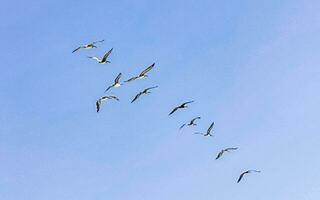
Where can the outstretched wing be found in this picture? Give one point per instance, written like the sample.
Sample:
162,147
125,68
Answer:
241,176
219,154
147,69
114,97
108,88
94,58
136,97
131,79
209,129
194,119
174,110
182,126
231,149
118,78
150,88
185,103
105,57
98,103
97,41
77,49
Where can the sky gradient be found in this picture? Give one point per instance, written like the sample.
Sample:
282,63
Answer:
251,66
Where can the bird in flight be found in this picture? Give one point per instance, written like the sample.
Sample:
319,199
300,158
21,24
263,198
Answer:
116,83
246,172
87,46
145,91
191,123
104,98
225,150
104,59
143,74
208,133
184,105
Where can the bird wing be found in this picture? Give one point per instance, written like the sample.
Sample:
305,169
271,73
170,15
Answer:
131,79
209,129
106,55
98,105
194,119
118,78
241,176
97,41
77,49
231,148
136,97
182,126
94,58
249,171
147,70
108,88
219,154
174,110
185,103
150,88
114,97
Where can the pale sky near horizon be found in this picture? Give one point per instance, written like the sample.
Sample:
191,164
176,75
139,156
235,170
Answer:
252,67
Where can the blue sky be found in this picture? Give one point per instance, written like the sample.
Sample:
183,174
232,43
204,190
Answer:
252,67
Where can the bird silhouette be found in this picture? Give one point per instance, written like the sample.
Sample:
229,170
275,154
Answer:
104,59
246,172
102,99
143,74
184,105
225,150
145,92
116,83
87,46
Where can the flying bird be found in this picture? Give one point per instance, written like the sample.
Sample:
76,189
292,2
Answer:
184,105
116,83
143,74
87,46
225,150
104,59
191,123
246,172
208,133
104,98
145,91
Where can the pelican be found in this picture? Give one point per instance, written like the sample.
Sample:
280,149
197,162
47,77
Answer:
145,91
191,123
246,172
104,59
116,82
143,74
104,98
184,105
225,150
208,133
87,46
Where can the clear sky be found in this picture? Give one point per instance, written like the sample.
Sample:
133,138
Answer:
251,66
